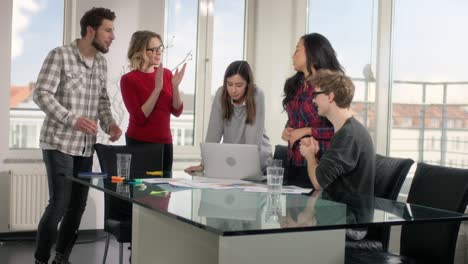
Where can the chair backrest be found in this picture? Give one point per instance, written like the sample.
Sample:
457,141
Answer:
438,187
281,153
145,157
390,173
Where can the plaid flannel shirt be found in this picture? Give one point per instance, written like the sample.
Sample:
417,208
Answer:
302,112
66,89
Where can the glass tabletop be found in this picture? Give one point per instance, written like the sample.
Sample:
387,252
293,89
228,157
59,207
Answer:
231,212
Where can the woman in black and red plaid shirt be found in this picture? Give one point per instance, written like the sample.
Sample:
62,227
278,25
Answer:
313,52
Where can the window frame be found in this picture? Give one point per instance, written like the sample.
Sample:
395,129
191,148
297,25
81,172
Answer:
203,69
22,155
203,76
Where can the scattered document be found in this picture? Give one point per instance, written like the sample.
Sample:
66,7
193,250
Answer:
222,184
160,180
285,189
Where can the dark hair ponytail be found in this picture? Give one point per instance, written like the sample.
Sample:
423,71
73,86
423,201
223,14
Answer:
291,86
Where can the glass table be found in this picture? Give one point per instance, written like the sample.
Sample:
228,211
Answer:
186,225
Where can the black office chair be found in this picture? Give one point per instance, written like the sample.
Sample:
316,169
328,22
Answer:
117,212
390,173
281,153
434,186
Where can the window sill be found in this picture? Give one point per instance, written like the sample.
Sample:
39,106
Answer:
35,156
21,156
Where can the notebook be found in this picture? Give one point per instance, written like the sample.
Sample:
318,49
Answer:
231,161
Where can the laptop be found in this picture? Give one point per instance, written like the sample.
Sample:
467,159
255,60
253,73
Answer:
231,161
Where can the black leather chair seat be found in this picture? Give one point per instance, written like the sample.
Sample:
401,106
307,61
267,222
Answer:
122,230
362,256
365,244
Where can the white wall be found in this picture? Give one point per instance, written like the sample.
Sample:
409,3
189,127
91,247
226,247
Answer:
278,25
6,7
5,56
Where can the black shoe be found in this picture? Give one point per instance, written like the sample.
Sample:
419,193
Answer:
60,260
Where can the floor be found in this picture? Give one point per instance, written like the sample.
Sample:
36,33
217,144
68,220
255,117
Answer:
89,249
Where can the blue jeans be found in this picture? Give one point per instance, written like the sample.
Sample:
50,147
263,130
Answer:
67,202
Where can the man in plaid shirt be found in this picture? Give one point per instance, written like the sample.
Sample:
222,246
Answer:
71,90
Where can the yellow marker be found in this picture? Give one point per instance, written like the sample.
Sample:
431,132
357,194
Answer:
154,173
159,192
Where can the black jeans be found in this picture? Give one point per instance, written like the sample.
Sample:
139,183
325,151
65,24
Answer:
67,202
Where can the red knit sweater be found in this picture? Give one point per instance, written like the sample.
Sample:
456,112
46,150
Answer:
136,87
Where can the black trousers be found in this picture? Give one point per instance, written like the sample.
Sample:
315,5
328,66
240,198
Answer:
297,175
167,156
67,202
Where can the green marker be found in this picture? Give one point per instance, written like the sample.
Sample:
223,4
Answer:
157,192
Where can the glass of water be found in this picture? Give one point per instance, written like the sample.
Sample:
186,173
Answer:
275,178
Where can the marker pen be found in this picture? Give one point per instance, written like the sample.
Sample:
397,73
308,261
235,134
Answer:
154,173
118,179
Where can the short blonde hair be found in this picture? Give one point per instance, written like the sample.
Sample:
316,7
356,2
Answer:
137,48
336,82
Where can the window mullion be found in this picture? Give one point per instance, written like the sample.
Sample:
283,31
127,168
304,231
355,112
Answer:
204,69
383,74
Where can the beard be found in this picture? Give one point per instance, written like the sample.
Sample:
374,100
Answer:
99,47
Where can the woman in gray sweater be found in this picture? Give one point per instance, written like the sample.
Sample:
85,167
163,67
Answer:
238,113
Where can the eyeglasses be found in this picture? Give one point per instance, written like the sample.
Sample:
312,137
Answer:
314,94
156,49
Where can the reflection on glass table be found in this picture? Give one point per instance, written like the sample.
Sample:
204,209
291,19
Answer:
221,226
329,210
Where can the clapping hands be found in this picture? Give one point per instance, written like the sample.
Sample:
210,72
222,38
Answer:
309,147
178,76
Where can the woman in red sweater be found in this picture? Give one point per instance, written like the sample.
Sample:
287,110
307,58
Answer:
151,94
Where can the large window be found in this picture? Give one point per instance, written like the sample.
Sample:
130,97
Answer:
351,28
211,35
181,40
37,28
208,35
228,38
430,84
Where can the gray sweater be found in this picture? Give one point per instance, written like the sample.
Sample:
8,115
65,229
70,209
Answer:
236,131
349,164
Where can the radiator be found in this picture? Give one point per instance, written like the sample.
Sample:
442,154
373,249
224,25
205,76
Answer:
29,195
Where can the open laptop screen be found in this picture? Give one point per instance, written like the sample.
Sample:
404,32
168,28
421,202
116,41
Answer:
231,161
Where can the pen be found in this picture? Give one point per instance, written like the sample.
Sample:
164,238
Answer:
135,182
154,173
117,179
